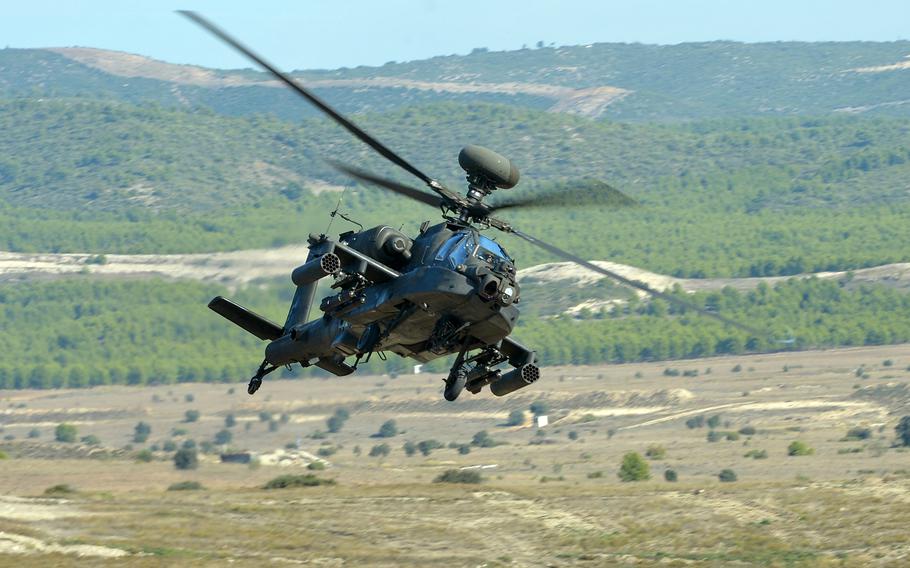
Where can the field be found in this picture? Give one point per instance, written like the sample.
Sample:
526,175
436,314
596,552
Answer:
550,496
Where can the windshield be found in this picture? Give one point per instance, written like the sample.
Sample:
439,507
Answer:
456,250
489,250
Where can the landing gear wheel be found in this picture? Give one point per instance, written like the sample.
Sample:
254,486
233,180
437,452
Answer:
455,383
254,385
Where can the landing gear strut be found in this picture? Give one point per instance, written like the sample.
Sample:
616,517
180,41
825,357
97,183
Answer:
256,381
458,377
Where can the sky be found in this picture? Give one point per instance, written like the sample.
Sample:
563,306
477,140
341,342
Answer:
326,34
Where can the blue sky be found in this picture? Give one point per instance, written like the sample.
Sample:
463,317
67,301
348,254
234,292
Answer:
309,34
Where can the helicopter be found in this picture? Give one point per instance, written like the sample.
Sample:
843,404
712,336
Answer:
449,290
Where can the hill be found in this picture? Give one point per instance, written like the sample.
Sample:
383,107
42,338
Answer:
629,82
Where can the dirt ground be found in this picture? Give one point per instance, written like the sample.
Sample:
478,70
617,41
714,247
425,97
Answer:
550,496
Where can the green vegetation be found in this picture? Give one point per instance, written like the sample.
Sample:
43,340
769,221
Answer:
380,451
858,433
186,458
756,454
316,466
186,486
656,452
634,468
289,481
65,433
516,418
459,476
903,431
389,429
59,490
144,456
727,475
141,432
223,437
798,448
191,416
670,475
335,422
426,447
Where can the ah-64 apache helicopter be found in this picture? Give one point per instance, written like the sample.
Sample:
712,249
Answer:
449,290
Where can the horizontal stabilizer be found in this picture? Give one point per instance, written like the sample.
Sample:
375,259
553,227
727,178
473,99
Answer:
242,317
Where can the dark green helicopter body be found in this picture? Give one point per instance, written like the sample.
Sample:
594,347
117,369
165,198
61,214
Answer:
450,290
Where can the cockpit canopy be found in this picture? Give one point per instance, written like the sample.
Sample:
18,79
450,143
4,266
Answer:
462,246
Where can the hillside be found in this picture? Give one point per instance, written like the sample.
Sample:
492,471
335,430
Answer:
629,82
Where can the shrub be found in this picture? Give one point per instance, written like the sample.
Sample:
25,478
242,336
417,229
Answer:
389,429
903,431
191,416
189,397
482,439
326,451
223,437
727,475
656,452
459,476
290,480
464,449
230,421
859,433
90,440
714,421
410,448
634,468
380,450
797,448
670,475
141,432
595,475
273,425
186,486
736,368
427,446
747,430
60,489
65,433
516,418
731,436
188,444
265,416
3,455
756,454
539,408
169,446
34,433
179,431
714,436
186,458
334,424
315,466
144,456
695,422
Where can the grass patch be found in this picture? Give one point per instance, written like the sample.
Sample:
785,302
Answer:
459,476
290,480
60,489
186,486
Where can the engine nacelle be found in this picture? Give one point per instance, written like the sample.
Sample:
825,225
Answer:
308,341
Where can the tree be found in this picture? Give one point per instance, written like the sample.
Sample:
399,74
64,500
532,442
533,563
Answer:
410,448
482,439
903,431
230,421
223,437
186,458
634,468
516,418
670,475
334,424
388,429
141,432
191,416
65,433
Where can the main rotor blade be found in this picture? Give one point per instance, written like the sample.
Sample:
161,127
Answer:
583,192
399,188
628,282
335,115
